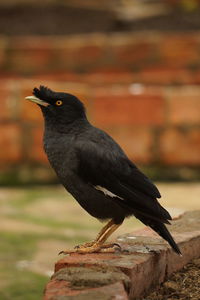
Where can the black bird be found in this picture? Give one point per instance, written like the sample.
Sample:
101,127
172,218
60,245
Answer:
96,171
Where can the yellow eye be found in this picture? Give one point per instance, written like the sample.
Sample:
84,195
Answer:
59,102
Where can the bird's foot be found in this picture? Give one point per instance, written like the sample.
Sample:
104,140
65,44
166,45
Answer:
86,245
93,247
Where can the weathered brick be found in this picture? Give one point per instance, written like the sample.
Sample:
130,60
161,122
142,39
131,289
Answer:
55,290
79,57
80,53
184,106
30,60
136,141
165,75
179,50
9,102
196,76
5,109
27,55
30,112
127,109
133,261
3,45
10,144
36,152
110,75
180,147
136,52
144,257
88,53
59,76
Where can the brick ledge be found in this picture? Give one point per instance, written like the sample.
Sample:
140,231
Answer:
146,261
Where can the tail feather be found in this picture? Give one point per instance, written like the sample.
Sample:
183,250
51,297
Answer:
162,230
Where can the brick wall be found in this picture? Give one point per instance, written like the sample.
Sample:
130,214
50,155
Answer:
130,273
141,88
149,57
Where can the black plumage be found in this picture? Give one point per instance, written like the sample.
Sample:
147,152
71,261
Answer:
95,170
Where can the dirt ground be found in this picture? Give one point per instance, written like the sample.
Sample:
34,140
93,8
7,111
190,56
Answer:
183,285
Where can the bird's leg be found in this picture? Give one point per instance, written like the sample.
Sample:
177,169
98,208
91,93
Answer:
99,236
98,244
106,231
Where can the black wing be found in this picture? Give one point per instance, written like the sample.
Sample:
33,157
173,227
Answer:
103,163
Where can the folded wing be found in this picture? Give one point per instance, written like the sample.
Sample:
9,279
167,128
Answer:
104,164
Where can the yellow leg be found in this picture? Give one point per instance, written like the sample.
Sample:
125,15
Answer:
106,231
98,244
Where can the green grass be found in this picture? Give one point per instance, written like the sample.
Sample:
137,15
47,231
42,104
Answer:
24,285
17,283
19,246
35,218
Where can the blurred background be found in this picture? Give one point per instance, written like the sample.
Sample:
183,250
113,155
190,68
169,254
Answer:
136,66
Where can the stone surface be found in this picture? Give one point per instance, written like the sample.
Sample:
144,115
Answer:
145,260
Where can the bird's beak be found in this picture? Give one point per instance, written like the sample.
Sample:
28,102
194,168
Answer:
37,100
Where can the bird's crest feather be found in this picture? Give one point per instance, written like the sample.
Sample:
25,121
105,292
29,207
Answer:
43,93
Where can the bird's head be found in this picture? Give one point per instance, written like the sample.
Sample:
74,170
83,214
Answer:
58,108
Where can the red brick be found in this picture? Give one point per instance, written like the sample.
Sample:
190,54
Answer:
5,112
146,269
135,263
9,103
190,245
180,147
59,76
179,50
184,106
3,44
128,109
137,52
31,42
36,152
196,76
78,57
88,53
30,60
165,75
27,55
36,54
57,288
10,144
109,76
137,142
30,112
